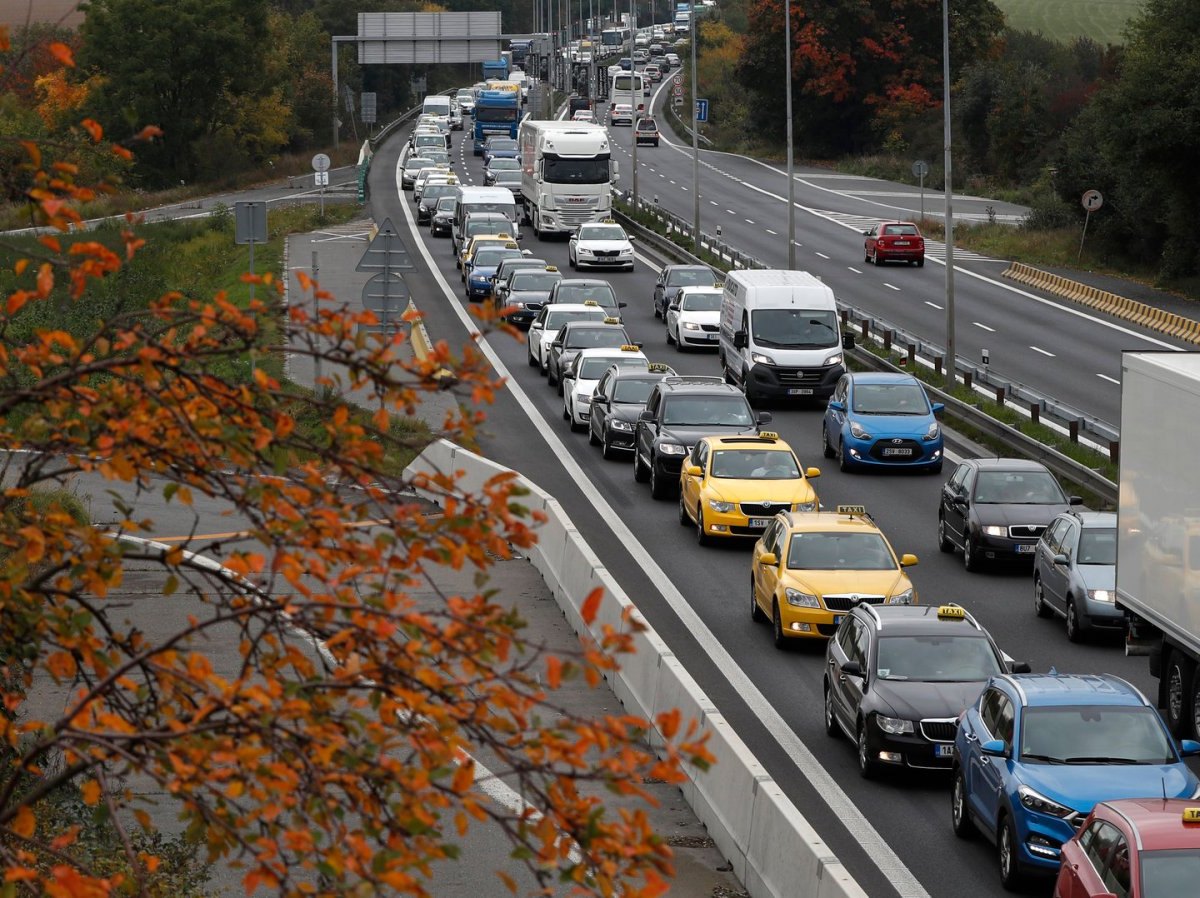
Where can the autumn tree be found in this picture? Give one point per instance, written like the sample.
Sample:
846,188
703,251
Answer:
348,768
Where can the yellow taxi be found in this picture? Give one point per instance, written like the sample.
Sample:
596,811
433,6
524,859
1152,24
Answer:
477,272
471,245
809,570
733,486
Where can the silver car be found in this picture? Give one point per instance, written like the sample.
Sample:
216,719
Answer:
1075,572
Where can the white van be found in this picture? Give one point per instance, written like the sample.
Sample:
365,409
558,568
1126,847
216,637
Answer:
437,105
780,334
483,199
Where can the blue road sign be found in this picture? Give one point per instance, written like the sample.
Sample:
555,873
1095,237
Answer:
702,110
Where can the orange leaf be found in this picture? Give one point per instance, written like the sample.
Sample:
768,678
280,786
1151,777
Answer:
509,882
464,777
19,268
93,128
25,823
591,605
668,722
62,53
554,671
91,793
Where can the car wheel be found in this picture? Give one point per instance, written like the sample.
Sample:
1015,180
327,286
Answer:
756,613
702,537
831,725
1178,688
606,449
921,262
533,362
559,385
960,817
684,520
781,642
670,339
866,767
658,489
593,440
943,536
844,462
875,257
1006,855
566,413
1075,630
867,257
826,449
550,378
1040,608
571,261
657,311
640,474
970,558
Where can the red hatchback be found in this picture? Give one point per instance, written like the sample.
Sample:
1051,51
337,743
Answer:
1139,847
899,240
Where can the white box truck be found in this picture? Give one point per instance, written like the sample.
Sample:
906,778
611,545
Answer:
566,174
1158,526
780,335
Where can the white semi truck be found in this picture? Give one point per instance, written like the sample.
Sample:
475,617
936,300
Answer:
1158,526
566,174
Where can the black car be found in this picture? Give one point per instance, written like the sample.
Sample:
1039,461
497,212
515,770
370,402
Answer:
577,335
897,678
587,290
680,411
997,508
506,269
442,219
430,196
672,277
525,293
617,401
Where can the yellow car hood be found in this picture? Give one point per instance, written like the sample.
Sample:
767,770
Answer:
876,583
762,491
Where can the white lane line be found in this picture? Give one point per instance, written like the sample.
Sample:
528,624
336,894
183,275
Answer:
684,189
822,255
1042,351
1111,380
748,221
851,268
891,286
772,233
876,848
713,203
671,181
990,330
934,304
731,212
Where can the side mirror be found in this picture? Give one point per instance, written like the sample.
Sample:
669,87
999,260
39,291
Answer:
646,415
812,473
768,559
1019,667
908,559
1075,500
866,233
631,238
837,405
847,340
996,748
938,407
637,343
1189,748
693,470
763,418
852,669
1060,558
739,339
673,307
622,305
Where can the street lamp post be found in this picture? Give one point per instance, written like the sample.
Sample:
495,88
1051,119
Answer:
633,82
791,191
951,356
695,139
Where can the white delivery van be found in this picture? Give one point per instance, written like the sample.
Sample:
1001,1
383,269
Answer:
780,334
437,105
483,199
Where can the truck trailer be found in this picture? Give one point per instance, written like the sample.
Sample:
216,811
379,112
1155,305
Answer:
496,112
566,174
1158,526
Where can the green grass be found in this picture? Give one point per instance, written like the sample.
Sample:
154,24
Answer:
1065,20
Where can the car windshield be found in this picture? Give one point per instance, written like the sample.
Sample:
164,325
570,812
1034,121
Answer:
601,232
688,277
890,399
1169,874
504,165
416,163
936,658
1098,545
839,552
600,293
490,258
593,369
701,302
701,411
557,318
501,143
439,157
508,177
437,191
754,464
1018,488
647,124
447,203
430,140
533,280
584,337
488,226
794,328
901,231
633,392
1094,734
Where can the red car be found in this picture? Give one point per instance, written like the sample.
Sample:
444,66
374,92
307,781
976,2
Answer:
900,240
1138,847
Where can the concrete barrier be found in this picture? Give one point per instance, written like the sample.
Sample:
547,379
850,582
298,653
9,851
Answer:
771,847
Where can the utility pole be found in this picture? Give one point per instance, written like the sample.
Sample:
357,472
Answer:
951,353
791,171
633,82
695,140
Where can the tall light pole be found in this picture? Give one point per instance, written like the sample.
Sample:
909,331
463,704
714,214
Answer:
633,81
791,174
951,356
695,138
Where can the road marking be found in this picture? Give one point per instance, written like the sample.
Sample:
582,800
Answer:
891,286
1043,352
851,268
822,255
1111,380
772,233
731,212
990,330
934,304
874,846
748,221
713,203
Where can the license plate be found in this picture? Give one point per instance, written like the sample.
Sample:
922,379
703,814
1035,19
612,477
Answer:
901,243
943,751
1029,549
759,523
800,391
897,452
837,619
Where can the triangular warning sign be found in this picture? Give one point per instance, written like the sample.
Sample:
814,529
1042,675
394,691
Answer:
387,251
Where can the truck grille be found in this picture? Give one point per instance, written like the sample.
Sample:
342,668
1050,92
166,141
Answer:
576,217
846,602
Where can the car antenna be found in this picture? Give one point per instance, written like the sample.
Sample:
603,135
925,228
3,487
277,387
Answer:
1163,780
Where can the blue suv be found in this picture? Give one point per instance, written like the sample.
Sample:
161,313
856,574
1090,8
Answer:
882,420
1037,751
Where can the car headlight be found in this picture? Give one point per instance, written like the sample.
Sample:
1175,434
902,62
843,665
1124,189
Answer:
858,431
582,399
691,326
761,359
672,449
992,530
896,726
835,359
583,251
801,599
902,598
623,426
1101,595
722,507
1036,801
805,506
627,252
933,432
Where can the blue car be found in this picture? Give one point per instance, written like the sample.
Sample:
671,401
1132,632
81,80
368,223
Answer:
882,421
479,275
1036,752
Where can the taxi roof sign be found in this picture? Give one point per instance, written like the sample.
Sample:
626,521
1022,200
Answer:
1191,815
658,367
768,435
954,612
552,268
590,302
629,347
608,319
852,509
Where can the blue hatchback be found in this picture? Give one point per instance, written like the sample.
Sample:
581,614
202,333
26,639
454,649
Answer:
882,420
1036,752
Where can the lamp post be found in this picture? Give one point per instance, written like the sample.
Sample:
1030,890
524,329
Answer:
695,139
633,83
951,356
791,191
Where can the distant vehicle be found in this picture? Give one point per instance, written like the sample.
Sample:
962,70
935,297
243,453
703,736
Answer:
672,60
899,241
693,317
500,148
627,88
620,114
653,72
465,98
442,217
646,131
1075,572
568,171
584,115
412,165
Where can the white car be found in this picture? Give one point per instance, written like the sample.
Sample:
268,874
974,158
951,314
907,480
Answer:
621,114
694,317
672,60
601,244
583,115
549,322
413,165
465,99
580,379
426,175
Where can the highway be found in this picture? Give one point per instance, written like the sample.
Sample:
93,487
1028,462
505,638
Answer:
893,834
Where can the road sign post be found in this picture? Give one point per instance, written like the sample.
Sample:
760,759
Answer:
320,164
385,255
249,228
1091,200
920,168
702,110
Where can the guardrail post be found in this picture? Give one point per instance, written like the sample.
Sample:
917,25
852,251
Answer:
1114,451
937,365
1035,412
968,377
887,341
866,329
999,395
1073,430
912,355
845,319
